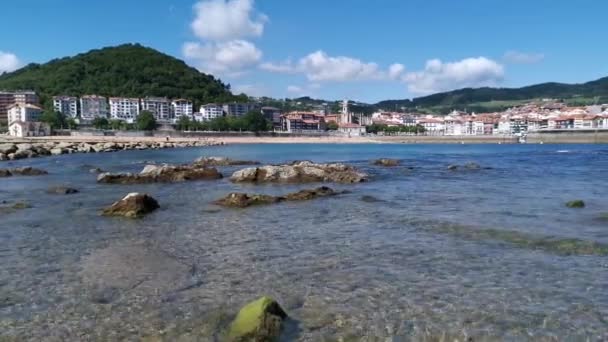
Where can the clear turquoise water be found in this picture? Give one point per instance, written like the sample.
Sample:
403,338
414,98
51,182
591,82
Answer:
427,259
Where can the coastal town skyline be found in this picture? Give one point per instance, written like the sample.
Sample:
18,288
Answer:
387,57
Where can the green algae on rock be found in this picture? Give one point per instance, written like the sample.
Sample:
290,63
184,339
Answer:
134,205
243,200
260,320
575,204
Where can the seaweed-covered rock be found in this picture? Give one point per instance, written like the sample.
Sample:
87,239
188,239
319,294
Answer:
242,200
575,204
386,162
161,173
22,171
300,172
222,161
260,320
134,205
62,190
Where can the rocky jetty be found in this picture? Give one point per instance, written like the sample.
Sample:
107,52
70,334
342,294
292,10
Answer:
300,172
243,200
13,151
22,171
260,320
134,205
222,161
386,162
161,173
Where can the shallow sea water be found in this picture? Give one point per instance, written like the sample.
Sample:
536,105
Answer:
484,254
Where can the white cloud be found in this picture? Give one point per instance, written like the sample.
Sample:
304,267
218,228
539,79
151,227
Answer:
318,66
8,62
223,20
285,67
256,90
395,71
294,89
518,57
438,76
229,58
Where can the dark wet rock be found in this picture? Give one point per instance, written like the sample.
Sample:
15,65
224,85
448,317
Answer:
453,167
21,205
161,173
370,199
300,172
11,208
260,320
8,148
62,190
134,205
105,295
96,170
468,166
222,161
27,171
5,173
575,204
386,162
242,200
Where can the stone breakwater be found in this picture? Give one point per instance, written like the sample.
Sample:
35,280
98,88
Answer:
14,151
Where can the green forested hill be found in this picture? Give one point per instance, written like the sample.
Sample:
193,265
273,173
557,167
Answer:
128,70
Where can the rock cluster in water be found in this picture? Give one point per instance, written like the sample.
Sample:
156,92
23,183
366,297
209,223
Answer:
467,166
386,162
134,205
260,320
22,171
161,173
300,172
13,151
575,204
242,200
62,190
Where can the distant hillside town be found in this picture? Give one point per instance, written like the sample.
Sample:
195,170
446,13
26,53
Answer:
22,112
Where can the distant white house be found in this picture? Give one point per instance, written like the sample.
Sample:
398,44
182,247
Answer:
211,111
22,129
93,106
159,106
24,113
181,107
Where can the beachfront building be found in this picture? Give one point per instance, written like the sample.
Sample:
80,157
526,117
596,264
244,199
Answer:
351,129
9,98
181,107
302,121
432,126
238,109
24,113
29,129
66,105
272,114
211,111
158,106
124,108
93,106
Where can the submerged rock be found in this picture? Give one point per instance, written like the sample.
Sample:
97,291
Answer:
472,166
7,209
575,204
62,190
260,320
370,199
134,205
453,167
222,161
161,173
22,171
300,172
386,162
242,200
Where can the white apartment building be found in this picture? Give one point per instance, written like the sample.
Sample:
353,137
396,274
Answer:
181,107
159,106
25,97
123,108
66,105
93,106
211,111
24,113
238,109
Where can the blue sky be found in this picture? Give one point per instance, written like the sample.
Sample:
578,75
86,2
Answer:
357,49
